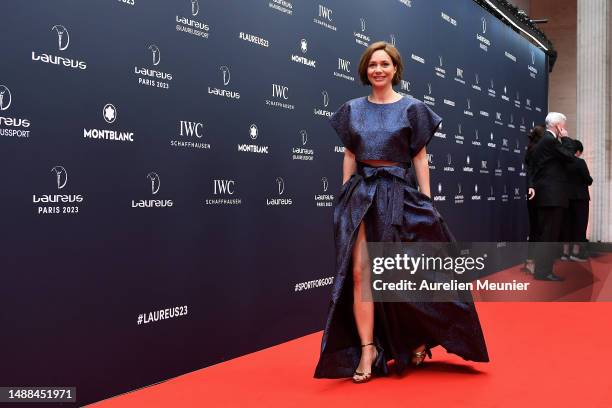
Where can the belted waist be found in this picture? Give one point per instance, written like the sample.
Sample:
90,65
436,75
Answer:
399,175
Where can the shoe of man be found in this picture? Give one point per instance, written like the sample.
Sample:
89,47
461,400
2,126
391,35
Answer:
576,258
550,277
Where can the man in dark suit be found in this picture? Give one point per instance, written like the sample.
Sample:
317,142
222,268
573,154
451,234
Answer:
551,193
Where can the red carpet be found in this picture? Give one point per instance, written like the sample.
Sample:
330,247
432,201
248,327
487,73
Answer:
542,355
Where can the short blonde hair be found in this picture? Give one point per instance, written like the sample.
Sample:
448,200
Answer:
391,51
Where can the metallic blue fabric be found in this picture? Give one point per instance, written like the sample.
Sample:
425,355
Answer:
393,210
392,131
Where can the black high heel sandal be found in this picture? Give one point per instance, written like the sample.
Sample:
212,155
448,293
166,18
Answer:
420,356
365,377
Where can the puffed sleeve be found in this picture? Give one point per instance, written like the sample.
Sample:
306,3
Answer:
340,121
423,122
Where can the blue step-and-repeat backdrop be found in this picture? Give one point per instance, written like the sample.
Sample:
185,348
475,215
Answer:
168,171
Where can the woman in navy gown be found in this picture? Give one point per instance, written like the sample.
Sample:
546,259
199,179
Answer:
383,134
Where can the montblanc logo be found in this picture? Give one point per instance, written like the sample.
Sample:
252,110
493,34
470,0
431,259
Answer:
467,168
58,203
187,131
109,114
476,196
224,191
190,26
491,143
439,70
152,77
302,153
280,189
154,183
459,198
360,37
449,161
324,200
323,112
226,77
63,41
253,148
301,59
17,127
325,18
439,196
484,42
344,70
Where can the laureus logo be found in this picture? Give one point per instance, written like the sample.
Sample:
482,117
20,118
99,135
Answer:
325,183
109,113
253,131
63,37
304,45
6,98
195,7
325,98
61,176
281,185
155,53
304,135
155,182
226,75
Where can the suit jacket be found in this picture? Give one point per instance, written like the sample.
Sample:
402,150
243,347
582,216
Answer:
548,162
579,179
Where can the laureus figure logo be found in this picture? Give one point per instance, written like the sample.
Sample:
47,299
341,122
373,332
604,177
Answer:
156,54
155,182
532,57
109,113
195,7
439,188
253,131
458,188
281,185
304,135
5,97
226,74
475,188
61,176
63,38
484,25
325,98
392,36
363,24
325,183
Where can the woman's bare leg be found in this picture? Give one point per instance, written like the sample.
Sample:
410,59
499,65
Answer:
363,309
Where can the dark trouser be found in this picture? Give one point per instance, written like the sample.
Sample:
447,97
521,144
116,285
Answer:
549,229
533,227
579,214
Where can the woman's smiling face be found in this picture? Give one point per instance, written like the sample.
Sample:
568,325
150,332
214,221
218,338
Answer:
381,69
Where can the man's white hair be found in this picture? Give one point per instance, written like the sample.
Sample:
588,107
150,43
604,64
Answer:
554,118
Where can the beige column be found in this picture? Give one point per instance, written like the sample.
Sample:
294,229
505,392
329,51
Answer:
594,109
